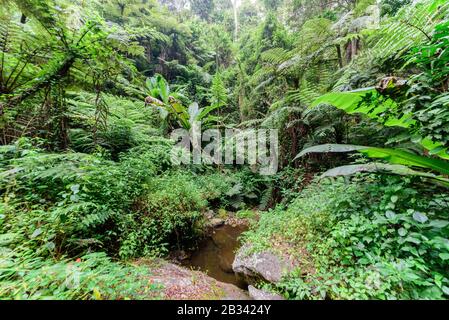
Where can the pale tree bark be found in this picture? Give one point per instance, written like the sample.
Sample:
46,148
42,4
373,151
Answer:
236,19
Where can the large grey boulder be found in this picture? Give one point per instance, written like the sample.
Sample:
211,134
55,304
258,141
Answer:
258,294
265,266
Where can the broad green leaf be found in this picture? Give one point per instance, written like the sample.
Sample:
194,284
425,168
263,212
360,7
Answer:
435,148
347,101
36,233
390,214
402,232
394,156
413,240
164,89
163,113
444,256
406,158
420,217
350,101
380,167
148,83
75,188
327,148
50,245
439,224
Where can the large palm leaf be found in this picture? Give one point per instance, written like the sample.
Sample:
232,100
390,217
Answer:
394,156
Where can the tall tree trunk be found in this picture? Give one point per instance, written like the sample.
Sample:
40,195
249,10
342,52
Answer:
340,58
236,19
122,9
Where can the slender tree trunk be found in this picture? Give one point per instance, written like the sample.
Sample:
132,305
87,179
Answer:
241,103
64,136
353,48
122,9
236,19
348,48
340,58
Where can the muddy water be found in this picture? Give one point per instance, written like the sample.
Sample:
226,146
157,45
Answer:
216,253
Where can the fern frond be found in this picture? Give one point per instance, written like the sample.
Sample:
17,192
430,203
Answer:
276,56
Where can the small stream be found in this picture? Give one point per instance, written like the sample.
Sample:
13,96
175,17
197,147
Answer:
216,253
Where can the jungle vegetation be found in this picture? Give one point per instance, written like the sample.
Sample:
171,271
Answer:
90,91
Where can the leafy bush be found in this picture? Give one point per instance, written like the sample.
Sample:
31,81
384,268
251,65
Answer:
72,201
56,206
373,239
68,203
170,213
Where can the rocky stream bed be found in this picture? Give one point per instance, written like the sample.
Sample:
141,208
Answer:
220,268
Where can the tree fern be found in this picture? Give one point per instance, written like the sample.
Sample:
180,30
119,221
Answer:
218,92
411,26
276,56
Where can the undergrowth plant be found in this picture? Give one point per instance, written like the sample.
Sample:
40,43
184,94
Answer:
380,237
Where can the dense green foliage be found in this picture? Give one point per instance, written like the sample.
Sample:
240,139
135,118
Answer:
90,92
372,239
